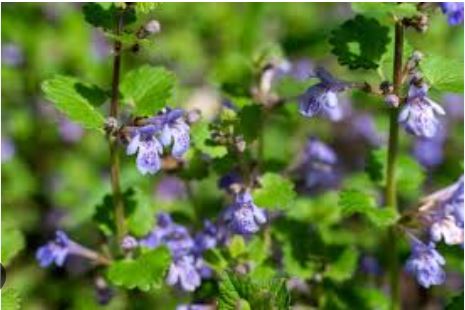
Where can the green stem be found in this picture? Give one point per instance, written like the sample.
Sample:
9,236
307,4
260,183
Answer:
114,153
391,186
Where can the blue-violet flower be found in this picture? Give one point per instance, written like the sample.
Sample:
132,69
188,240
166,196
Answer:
425,263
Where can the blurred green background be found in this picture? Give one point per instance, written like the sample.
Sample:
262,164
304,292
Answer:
54,173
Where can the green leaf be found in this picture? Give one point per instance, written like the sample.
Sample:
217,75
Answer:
384,11
360,42
148,89
141,220
145,272
201,139
104,214
76,100
250,122
373,298
443,74
240,292
321,210
375,165
145,7
410,175
300,259
215,259
276,192
236,246
12,243
10,299
353,201
344,266
105,15
456,303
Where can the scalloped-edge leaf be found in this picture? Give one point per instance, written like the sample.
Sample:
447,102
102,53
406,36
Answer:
12,243
241,292
353,201
77,100
443,74
11,299
344,266
275,192
360,42
148,89
200,138
145,272
146,7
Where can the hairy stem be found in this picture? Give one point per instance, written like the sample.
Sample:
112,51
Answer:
114,154
391,186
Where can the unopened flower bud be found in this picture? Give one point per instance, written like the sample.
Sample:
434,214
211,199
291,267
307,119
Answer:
392,100
153,27
111,125
417,56
386,87
240,144
129,243
193,116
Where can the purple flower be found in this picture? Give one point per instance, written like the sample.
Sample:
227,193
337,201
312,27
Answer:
103,293
425,263
229,179
429,153
57,250
168,129
442,212
195,307
170,188
392,100
302,69
243,216
453,103
318,162
322,97
8,149
12,55
418,116
369,265
317,151
364,126
174,131
174,236
183,273
70,131
129,243
454,203
100,49
453,11
445,227
207,238
148,149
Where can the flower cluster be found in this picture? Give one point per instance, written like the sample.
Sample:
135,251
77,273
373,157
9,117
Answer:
187,269
165,130
418,116
243,216
442,213
453,11
322,97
